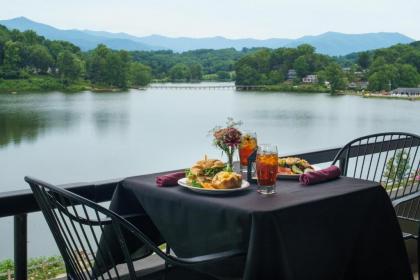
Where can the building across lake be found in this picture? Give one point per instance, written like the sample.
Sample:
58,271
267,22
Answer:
310,79
406,91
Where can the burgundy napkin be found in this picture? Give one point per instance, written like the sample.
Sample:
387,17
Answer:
319,176
170,179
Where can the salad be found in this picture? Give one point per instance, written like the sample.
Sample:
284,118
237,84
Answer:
293,166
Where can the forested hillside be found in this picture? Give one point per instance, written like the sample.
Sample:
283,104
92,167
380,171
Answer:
29,62
383,69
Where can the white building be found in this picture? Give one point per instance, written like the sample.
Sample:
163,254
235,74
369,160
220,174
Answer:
406,91
310,79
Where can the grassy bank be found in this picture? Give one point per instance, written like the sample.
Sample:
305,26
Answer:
48,83
40,83
292,88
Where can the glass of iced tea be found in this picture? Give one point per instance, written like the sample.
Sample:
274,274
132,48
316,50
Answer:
246,148
267,165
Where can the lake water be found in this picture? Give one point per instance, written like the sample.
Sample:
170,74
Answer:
76,137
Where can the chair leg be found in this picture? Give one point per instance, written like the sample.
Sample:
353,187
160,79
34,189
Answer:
418,251
418,258
167,251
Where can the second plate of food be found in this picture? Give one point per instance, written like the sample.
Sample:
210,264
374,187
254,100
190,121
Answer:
291,168
183,183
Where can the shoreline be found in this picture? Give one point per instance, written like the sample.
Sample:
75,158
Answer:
48,85
380,95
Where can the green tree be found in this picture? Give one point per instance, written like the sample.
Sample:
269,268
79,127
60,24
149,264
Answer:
196,72
305,49
223,75
397,167
301,66
29,37
116,69
384,78
364,60
246,75
408,76
276,77
11,60
335,76
40,58
70,67
139,74
97,64
180,72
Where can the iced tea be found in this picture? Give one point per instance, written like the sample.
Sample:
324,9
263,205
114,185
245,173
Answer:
247,147
267,165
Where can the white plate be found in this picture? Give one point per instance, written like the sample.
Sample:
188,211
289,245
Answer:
183,183
292,176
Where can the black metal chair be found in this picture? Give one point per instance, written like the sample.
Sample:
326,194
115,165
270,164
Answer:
85,232
393,160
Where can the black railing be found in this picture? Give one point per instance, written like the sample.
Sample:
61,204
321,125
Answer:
20,203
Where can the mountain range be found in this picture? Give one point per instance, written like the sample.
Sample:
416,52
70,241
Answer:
330,43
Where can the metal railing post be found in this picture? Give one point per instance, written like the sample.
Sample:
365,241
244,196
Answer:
21,249
342,165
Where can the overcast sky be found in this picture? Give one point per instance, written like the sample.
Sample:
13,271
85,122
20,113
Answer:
229,18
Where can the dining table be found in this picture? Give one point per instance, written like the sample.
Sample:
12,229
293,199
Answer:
344,228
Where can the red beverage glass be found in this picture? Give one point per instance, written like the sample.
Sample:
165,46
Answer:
246,148
267,165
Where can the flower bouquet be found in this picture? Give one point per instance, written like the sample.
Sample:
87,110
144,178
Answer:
227,139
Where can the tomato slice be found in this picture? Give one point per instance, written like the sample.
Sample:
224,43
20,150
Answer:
284,170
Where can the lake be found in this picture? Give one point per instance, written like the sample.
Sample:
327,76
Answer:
76,137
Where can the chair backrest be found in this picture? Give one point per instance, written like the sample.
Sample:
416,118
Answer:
92,239
392,159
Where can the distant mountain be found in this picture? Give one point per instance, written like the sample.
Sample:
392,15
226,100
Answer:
331,43
80,38
334,43
181,44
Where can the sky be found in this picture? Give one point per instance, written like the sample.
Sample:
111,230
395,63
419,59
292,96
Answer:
229,18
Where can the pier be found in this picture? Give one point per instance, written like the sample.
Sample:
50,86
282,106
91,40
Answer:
203,87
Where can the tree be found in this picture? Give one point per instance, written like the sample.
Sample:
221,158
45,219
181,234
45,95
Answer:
97,64
223,75
335,76
408,76
305,49
246,75
397,167
116,69
70,67
196,72
275,77
139,74
40,58
30,37
384,78
301,66
180,72
364,60
11,60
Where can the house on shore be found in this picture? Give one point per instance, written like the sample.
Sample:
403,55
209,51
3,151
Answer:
310,79
360,85
291,74
406,91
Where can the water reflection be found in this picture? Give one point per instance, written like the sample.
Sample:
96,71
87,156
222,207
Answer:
25,119
108,121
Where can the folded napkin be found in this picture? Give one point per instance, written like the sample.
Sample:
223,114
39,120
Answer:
319,176
170,179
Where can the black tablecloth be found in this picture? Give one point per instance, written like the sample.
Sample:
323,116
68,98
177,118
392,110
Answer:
342,229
